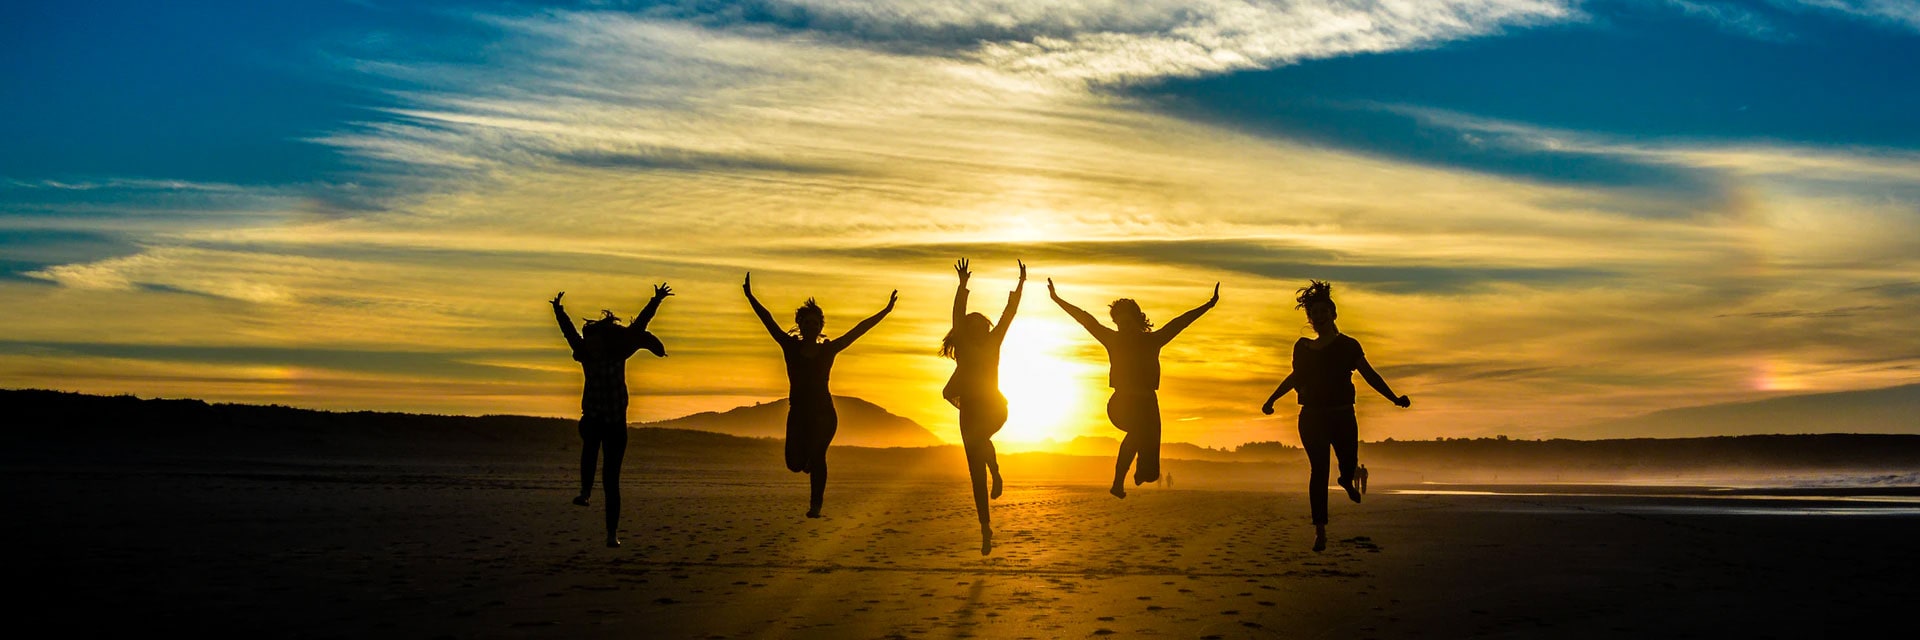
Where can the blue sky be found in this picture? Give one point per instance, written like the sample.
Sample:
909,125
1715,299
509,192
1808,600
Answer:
257,189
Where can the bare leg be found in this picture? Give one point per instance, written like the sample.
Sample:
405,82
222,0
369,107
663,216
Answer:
977,452
616,448
589,454
817,477
993,466
1129,447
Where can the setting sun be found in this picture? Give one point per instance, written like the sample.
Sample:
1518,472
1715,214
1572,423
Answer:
1047,387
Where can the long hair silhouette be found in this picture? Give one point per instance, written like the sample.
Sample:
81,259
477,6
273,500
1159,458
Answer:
974,345
1133,357
602,347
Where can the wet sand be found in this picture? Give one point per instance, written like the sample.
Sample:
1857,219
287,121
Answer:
494,549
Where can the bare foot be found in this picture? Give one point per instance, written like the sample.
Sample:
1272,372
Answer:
1353,493
1319,538
813,513
1118,491
613,542
1363,479
997,485
986,541
580,500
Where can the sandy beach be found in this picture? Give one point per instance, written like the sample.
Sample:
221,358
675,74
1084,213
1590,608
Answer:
485,548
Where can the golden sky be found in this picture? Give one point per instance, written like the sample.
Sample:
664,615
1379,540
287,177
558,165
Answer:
599,152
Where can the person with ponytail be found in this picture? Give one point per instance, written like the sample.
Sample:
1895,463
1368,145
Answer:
1322,378
974,345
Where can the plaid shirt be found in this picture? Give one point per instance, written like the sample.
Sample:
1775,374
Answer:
605,396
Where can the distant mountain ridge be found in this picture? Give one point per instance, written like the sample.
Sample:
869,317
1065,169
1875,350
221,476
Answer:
862,424
1894,410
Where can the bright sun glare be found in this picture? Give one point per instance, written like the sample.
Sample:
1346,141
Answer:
1046,386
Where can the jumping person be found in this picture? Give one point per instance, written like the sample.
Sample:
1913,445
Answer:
1323,376
974,345
1133,355
602,347
811,421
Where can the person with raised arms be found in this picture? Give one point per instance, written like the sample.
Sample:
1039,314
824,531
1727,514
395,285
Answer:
974,345
1133,357
1323,379
602,346
811,420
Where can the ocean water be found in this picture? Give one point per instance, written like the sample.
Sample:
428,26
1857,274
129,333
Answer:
1857,495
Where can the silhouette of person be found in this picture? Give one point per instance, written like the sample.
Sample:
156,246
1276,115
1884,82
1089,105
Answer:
974,345
602,347
1323,377
1133,357
811,421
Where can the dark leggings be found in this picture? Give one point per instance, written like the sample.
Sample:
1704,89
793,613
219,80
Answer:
1319,427
810,428
1138,414
980,418
610,436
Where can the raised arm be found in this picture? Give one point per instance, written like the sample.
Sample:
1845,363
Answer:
566,323
861,329
1177,325
660,293
1079,315
1285,386
1380,384
1013,303
960,294
773,328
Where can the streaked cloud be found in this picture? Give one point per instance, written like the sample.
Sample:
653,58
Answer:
1515,276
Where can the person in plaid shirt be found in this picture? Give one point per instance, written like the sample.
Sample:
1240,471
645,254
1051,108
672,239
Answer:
602,347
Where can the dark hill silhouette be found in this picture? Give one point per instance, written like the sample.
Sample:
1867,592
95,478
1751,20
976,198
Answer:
54,428
60,423
862,424
1886,410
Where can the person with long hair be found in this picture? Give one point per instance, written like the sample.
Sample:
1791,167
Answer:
602,347
1133,357
1323,379
811,420
974,345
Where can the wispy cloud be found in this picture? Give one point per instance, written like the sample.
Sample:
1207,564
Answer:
842,149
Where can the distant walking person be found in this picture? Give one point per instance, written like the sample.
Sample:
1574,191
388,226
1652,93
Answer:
1323,376
1133,355
974,345
811,420
602,347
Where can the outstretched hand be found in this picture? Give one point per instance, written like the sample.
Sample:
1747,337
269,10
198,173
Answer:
960,267
662,290
1023,269
892,298
1216,295
556,299
747,284
1403,401
1050,291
